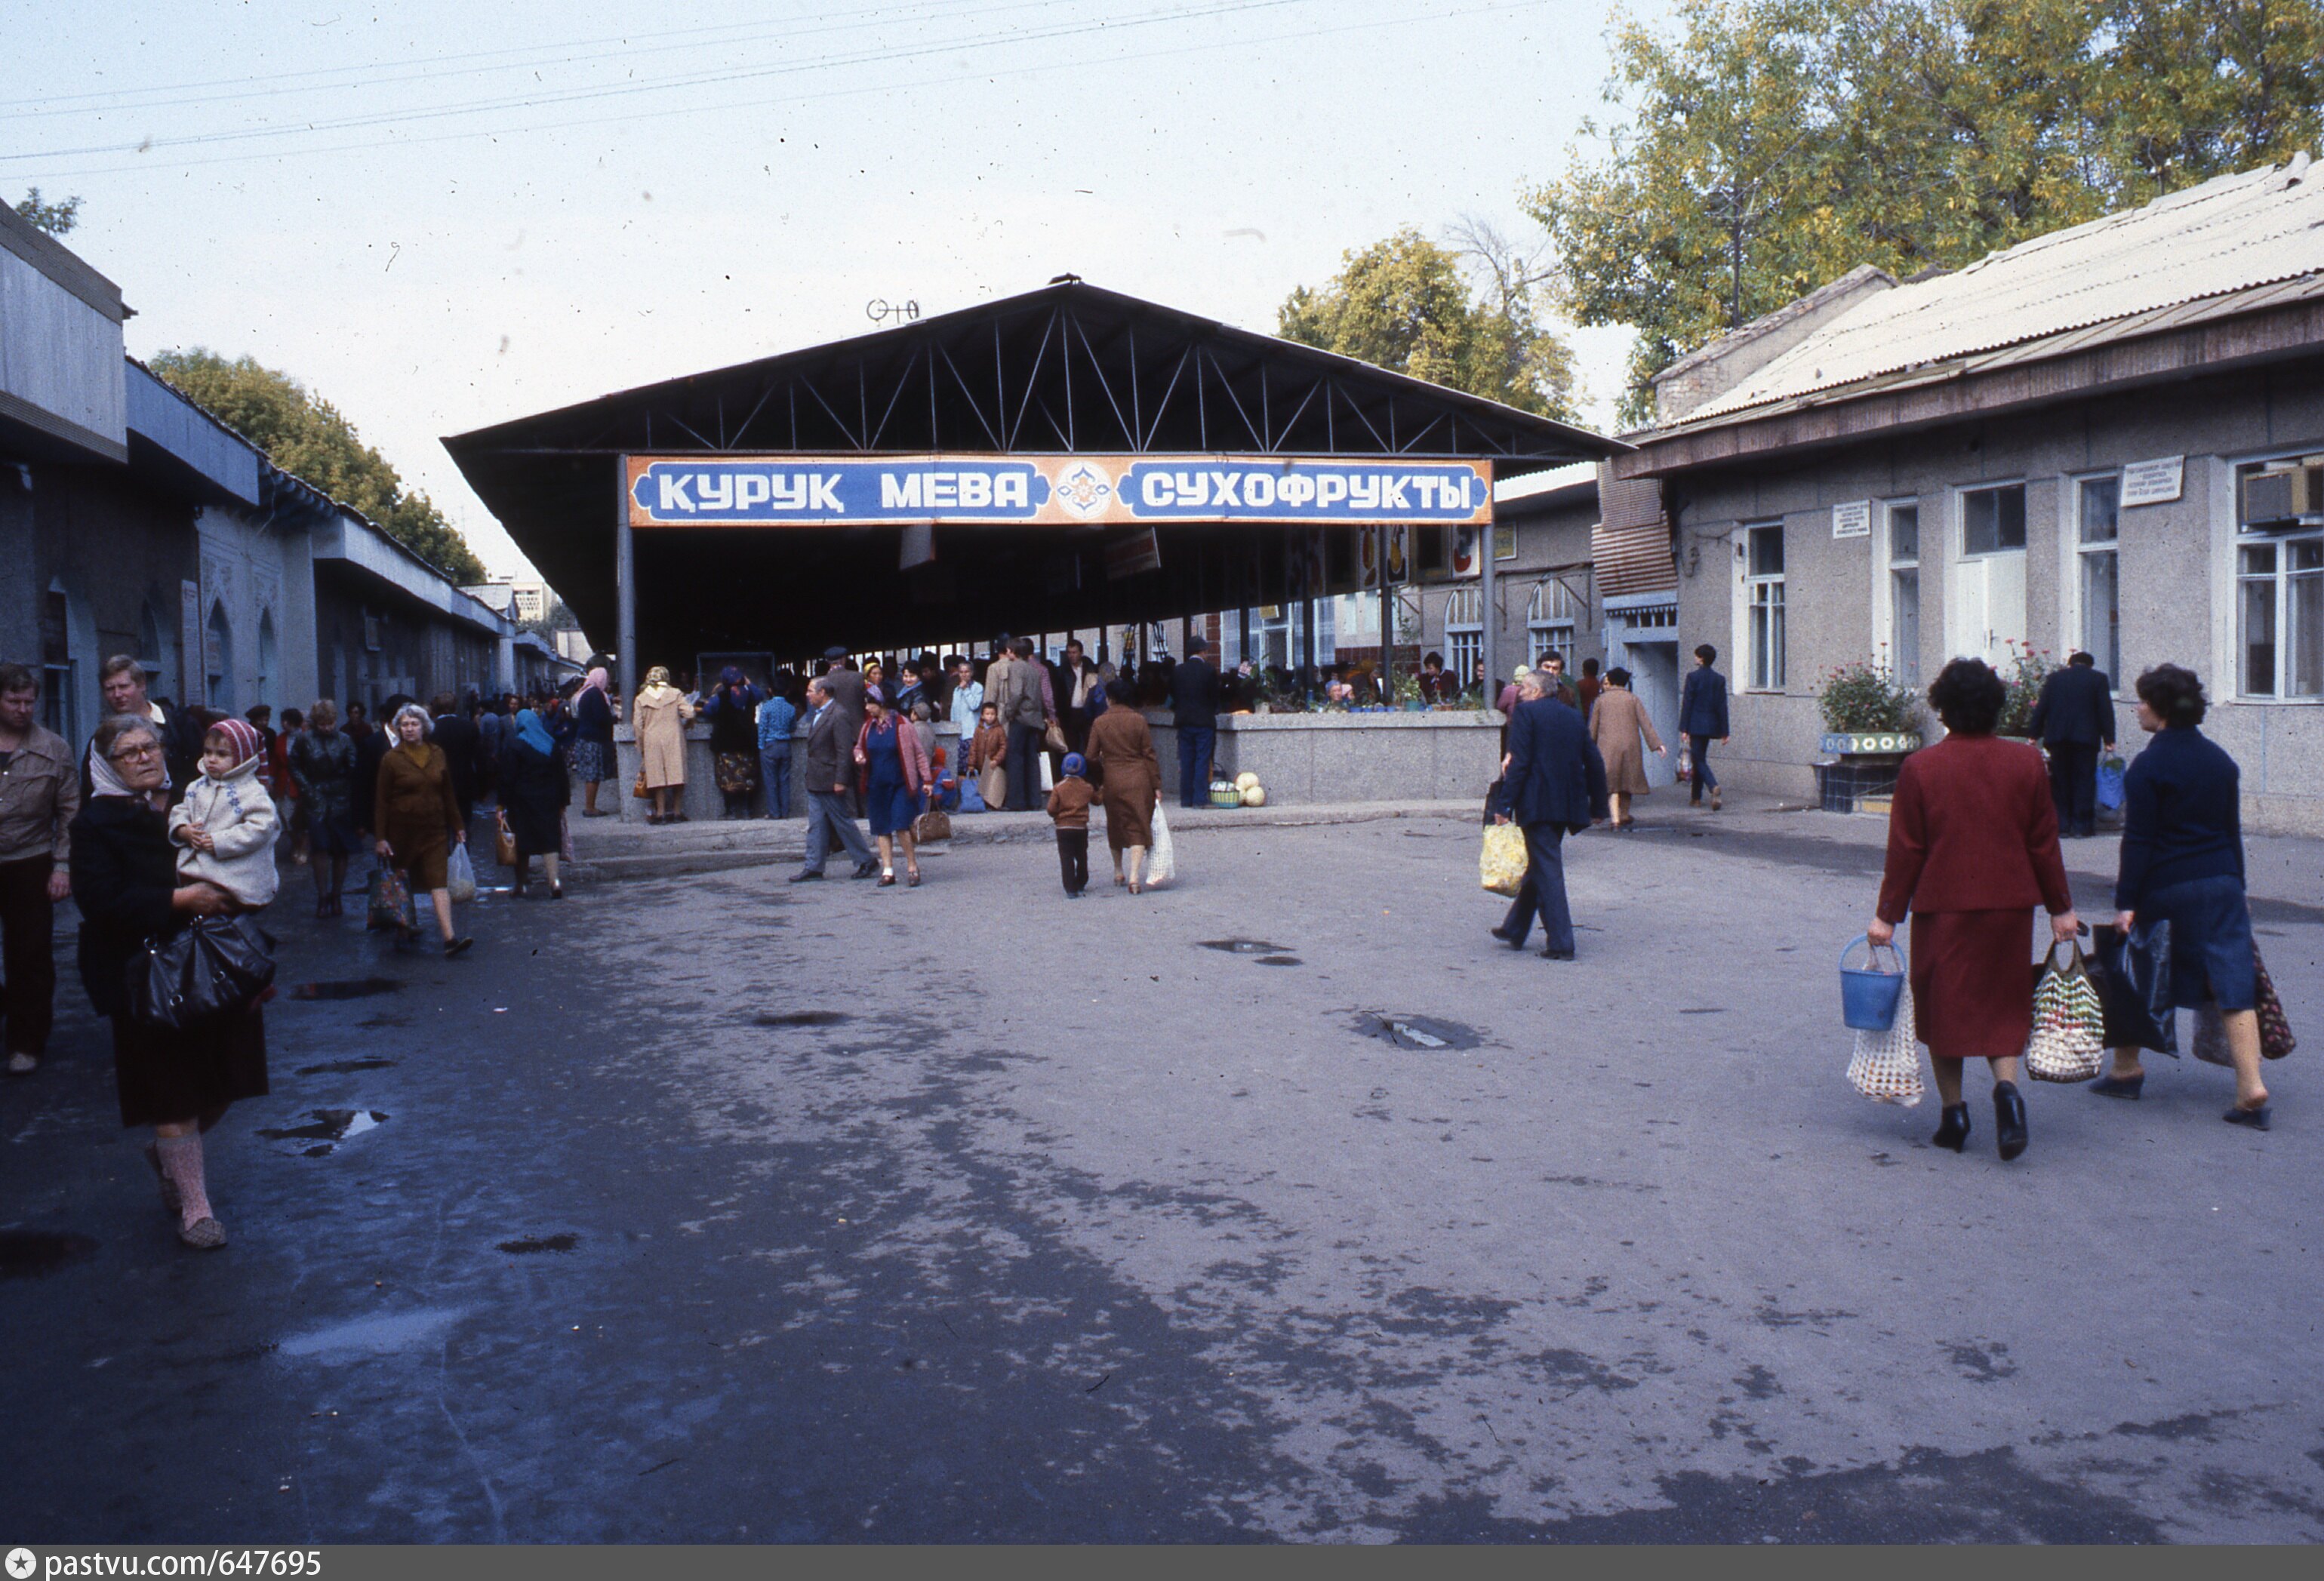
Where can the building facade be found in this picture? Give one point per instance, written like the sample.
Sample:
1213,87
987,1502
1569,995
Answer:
2108,440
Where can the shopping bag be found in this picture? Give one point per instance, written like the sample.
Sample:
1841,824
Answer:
1162,862
2210,1041
2275,1039
390,902
1885,1066
1054,739
971,800
638,789
1501,865
2110,783
993,786
213,967
932,825
1049,773
504,841
460,875
2068,1024
2134,973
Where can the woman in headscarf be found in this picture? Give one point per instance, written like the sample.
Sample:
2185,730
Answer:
896,780
1123,749
662,714
418,818
124,878
323,762
732,709
534,791
593,741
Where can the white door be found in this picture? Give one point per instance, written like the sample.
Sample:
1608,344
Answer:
1965,625
2004,607
1653,676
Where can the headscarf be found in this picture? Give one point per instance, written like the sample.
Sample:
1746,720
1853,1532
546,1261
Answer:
245,736
529,731
597,678
102,781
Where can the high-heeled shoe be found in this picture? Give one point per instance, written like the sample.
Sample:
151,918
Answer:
2009,1119
1952,1127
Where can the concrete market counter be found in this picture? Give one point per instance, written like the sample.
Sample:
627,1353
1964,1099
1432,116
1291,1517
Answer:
1302,760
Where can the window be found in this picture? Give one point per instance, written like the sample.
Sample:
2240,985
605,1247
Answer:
1464,634
2280,589
1764,575
1550,620
154,652
56,688
219,670
1993,520
1904,592
263,681
2098,510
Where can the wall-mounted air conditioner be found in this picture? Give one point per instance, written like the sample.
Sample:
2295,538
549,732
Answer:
2282,494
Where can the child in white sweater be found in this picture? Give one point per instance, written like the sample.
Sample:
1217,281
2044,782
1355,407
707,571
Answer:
227,824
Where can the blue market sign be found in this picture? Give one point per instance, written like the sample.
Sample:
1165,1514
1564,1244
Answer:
1062,490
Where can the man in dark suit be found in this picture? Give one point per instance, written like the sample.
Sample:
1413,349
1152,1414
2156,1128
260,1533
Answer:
830,770
1194,711
1555,783
2074,718
1702,720
457,735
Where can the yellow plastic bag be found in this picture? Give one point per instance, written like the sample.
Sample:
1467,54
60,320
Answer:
1501,867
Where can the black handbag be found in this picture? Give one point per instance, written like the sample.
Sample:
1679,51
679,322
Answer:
213,968
2134,980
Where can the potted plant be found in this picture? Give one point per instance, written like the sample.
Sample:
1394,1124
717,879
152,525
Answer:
2028,667
1871,723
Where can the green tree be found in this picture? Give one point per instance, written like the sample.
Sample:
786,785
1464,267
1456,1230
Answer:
55,218
1761,148
306,437
1405,304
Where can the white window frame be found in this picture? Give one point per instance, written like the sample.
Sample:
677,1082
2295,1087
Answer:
1552,620
1902,663
1464,633
2280,577
1764,591
2075,609
1960,518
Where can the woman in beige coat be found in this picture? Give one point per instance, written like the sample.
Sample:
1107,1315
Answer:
662,714
1617,722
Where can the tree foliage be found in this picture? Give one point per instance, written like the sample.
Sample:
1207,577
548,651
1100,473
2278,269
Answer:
1406,303
1759,149
308,438
55,218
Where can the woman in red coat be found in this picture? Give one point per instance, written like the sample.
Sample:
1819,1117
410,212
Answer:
1972,849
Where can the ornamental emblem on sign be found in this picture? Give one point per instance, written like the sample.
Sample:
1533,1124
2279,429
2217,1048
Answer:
1083,490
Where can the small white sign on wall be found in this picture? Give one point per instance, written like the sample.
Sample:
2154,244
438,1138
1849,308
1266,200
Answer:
1852,521
2153,483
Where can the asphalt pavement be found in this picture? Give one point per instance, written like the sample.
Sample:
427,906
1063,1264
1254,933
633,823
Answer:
1278,1203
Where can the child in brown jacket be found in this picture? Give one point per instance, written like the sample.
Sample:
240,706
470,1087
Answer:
1069,806
988,759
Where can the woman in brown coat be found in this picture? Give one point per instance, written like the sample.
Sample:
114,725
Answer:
418,817
1972,849
1617,721
1122,748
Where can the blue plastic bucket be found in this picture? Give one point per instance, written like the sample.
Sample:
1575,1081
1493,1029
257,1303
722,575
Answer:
1868,997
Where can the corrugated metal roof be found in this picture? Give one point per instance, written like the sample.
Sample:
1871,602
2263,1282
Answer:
2228,234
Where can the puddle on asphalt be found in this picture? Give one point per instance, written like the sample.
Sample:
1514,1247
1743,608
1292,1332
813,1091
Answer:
353,988
1246,947
529,1245
1280,960
345,1067
800,1018
372,1336
1425,1034
328,1128
28,1254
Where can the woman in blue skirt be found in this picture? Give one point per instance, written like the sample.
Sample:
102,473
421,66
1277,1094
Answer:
895,766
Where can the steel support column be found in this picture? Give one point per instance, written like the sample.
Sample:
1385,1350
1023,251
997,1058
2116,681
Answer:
625,579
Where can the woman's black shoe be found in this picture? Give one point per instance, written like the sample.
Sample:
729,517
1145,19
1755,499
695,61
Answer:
1953,1128
2009,1120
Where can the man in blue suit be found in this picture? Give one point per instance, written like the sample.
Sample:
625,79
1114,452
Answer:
1556,782
2073,719
1702,720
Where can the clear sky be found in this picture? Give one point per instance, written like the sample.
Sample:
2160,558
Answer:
441,214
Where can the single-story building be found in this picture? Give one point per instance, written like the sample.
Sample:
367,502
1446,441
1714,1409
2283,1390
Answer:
2109,438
